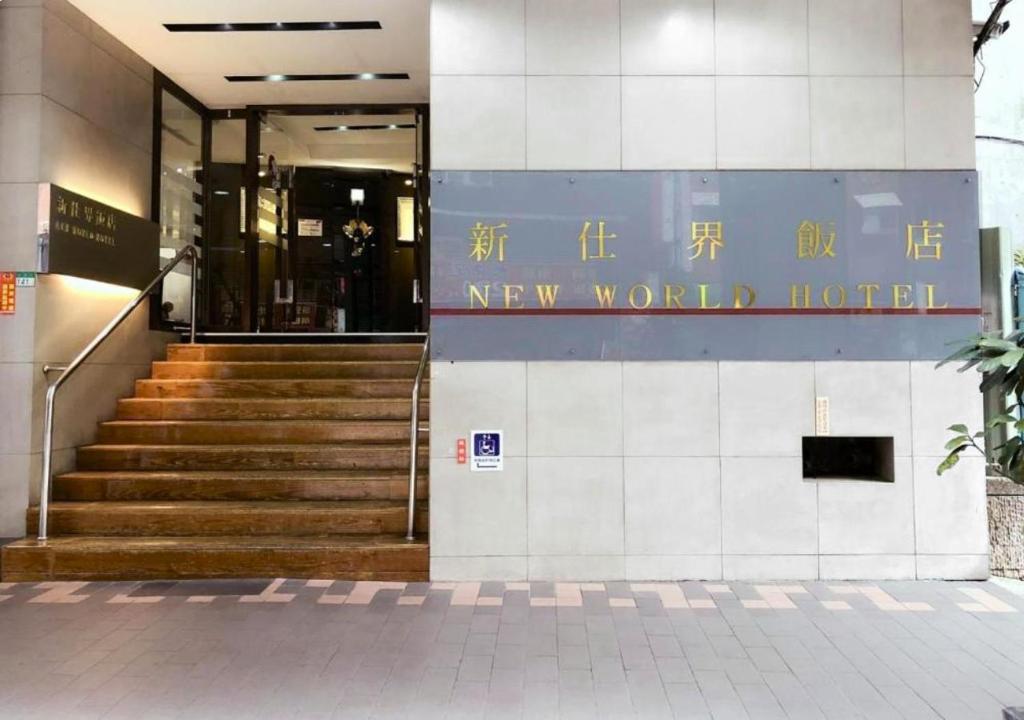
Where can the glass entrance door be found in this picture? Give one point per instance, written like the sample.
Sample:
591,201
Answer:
337,222
275,289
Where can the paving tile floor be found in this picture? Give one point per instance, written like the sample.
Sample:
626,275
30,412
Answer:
322,649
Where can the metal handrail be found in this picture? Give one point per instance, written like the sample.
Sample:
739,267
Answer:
188,251
414,441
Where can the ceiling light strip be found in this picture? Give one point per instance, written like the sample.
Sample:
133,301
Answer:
317,78
350,128
274,26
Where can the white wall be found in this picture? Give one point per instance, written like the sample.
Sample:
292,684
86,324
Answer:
692,470
701,84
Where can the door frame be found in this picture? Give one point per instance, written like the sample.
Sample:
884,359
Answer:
161,84
421,187
252,115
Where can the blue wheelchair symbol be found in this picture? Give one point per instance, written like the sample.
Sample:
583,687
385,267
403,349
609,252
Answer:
486,444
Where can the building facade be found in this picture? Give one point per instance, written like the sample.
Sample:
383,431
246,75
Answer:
672,445
660,470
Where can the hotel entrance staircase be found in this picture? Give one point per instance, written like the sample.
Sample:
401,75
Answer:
245,461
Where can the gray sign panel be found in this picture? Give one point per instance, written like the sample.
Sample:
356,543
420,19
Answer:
703,265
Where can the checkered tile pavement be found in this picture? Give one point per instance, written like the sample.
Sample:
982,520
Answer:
335,649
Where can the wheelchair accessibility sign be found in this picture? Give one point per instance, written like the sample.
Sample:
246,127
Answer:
486,447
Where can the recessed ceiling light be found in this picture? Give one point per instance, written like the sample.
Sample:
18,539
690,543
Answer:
349,128
221,192
324,77
274,26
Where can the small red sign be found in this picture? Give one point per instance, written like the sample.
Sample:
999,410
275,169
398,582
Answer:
8,283
460,451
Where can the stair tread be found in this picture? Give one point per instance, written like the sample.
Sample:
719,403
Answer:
269,401
249,381
260,421
302,345
226,505
354,475
199,542
286,363
312,447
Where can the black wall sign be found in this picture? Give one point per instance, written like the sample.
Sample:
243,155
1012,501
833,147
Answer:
88,239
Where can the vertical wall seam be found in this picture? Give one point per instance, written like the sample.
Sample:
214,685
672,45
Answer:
913,464
721,474
714,100
622,164
903,99
817,483
622,434
526,461
810,114
526,93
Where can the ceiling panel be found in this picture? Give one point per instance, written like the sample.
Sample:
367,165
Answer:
199,61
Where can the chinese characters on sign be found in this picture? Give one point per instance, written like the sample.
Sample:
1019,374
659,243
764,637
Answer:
85,238
83,219
485,239
677,265
924,241
814,240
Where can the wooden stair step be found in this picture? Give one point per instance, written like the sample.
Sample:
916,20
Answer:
276,388
250,432
268,409
234,370
183,518
288,352
236,485
380,557
248,457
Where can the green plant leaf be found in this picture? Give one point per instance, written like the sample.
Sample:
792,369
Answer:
1003,419
948,463
990,364
958,443
997,344
958,428
1012,358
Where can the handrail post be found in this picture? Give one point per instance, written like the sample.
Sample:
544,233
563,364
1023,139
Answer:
192,318
189,251
44,491
414,442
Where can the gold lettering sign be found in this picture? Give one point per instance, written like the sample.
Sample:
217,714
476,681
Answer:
815,240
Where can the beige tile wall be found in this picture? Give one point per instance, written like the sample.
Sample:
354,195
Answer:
665,470
76,110
674,470
701,84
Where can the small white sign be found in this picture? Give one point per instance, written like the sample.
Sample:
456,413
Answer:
821,416
311,228
487,451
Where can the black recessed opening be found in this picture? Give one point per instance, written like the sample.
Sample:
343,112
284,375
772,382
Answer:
849,458
320,78
275,26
